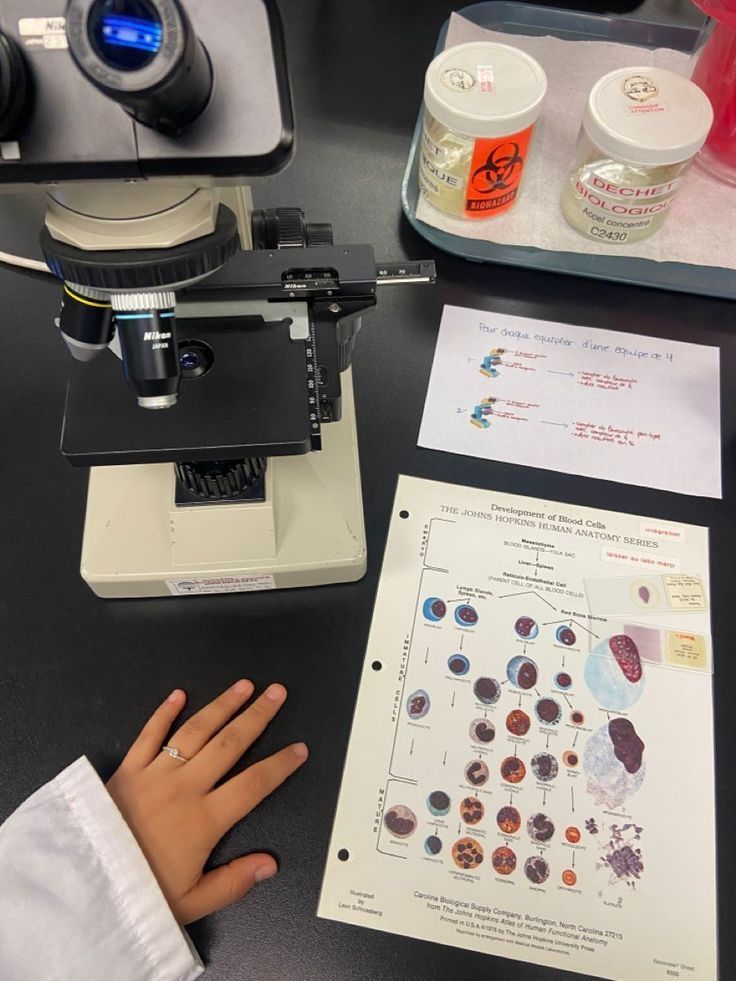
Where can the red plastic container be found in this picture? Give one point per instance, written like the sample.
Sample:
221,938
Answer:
715,73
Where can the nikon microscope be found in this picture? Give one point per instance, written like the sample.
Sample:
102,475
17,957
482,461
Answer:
229,461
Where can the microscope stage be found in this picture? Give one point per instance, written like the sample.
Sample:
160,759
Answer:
252,402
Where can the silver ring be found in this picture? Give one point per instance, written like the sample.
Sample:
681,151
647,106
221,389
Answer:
174,753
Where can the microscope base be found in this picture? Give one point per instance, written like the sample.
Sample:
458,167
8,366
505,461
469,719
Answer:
308,531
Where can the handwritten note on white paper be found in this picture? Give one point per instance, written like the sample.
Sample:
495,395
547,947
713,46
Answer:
637,410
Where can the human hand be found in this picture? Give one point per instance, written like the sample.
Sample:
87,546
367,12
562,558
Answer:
176,813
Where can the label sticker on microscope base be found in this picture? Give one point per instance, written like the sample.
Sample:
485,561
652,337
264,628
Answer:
220,584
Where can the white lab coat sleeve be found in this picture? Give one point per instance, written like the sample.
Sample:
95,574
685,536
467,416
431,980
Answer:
78,900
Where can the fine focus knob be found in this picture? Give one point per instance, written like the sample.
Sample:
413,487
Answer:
319,234
218,480
14,86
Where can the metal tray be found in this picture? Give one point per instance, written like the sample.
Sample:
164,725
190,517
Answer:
521,18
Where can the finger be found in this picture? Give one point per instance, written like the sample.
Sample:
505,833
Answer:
148,744
224,750
236,798
196,732
224,886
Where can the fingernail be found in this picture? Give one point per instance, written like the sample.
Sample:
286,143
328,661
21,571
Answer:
264,872
175,696
276,693
243,687
300,750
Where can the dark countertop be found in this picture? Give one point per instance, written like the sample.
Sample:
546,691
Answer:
80,675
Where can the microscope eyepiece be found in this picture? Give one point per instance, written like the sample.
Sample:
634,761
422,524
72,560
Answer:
145,56
126,36
14,86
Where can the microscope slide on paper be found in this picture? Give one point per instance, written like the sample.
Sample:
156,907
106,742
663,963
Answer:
513,785
638,410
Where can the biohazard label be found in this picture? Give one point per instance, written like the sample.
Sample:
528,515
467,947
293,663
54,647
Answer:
495,174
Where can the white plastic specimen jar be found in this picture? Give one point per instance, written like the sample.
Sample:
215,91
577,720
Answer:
481,101
641,129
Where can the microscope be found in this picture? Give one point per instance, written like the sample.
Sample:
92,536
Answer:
210,393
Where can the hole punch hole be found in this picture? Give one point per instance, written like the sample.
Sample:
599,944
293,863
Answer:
404,514
343,854
376,665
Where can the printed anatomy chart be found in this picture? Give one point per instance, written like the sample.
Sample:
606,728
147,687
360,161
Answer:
638,410
530,772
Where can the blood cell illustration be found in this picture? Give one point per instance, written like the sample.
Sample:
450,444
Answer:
540,828
467,854
572,834
522,672
536,869
466,616
508,819
439,803
526,628
621,855
433,845
487,690
627,657
569,878
644,594
434,609
627,746
503,860
418,704
476,773
563,680
458,664
471,810
577,717
400,821
544,767
513,769
565,635
482,731
570,758
613,672
548,711
591,826
613,763
518,722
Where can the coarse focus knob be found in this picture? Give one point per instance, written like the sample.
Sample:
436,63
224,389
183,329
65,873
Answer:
286,228
218,480
279,228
